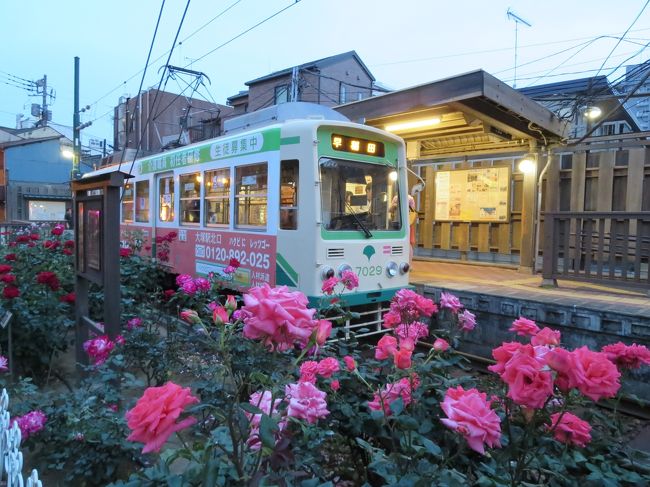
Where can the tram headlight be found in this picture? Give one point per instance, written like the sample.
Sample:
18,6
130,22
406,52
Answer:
342,268
326,272
391,269
404,267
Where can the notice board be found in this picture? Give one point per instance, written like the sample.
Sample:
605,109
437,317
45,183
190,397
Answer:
473,195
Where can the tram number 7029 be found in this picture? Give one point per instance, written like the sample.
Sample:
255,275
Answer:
372,270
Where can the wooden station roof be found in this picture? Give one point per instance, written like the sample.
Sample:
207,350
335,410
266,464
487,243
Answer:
470,113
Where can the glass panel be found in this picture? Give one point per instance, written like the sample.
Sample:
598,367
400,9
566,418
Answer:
251,185
166,199
358,194
127,203
289,195
217,197
190,191
142,201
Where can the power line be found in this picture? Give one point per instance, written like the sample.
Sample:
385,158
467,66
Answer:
167,52
178,31
245,32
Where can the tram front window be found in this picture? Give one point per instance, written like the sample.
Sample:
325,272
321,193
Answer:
357,194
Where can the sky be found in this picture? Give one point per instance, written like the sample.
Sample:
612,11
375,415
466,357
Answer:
403,43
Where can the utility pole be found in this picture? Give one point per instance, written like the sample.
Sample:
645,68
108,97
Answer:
518,20
44,112
76,126
293,95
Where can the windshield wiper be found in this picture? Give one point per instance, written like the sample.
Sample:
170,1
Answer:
366,232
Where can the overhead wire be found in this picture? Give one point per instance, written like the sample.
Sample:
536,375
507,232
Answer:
295,2
167,52
171,51
144,71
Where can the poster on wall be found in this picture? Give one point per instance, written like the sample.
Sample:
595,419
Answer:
473,195
46,210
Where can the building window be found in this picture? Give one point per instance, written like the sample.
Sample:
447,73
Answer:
289,195
190,193
281,94
251,195
142,201
127,203
342,93
166,199
217,197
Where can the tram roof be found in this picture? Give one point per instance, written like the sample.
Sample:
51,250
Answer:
475,112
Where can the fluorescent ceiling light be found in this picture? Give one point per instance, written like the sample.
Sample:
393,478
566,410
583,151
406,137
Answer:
413,124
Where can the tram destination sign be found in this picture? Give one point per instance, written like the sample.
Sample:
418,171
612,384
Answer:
345,143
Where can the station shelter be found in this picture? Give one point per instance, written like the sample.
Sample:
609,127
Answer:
481,148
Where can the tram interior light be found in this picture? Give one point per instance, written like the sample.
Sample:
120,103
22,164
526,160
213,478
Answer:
413,124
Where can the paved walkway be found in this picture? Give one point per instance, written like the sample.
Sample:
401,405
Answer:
501,281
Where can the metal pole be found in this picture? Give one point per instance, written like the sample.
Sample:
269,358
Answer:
76,130
45,116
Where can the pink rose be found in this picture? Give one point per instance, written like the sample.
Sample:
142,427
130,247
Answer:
31,423
502,354
153,419
411,306
392,319
189,287
335,385
306,402
627,357
570,429
133,323
183,278
469,414
4,364
328,367
546,336
190,316
308,371
402,358
524,327
349,279
329,285
98,349
268,405
528,384
220,315
466,321
58,229
202,284
569,371
323,331
601,377
386,347
391,392
440,345
231,303
350,363
451,302
277,316
414,331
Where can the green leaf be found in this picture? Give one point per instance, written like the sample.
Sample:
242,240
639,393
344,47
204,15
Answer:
249,408
397,406
430,446
268,428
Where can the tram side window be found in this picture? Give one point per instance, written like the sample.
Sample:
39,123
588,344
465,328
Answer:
142,201
289,195
166,199
251,195
127,203
190,198
217,197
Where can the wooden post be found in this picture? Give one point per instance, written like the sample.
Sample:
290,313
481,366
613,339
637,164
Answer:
552,205
527,245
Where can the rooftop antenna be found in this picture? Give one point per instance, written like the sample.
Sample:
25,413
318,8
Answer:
518,20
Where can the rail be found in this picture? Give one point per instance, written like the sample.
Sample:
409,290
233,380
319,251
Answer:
600,247
11,458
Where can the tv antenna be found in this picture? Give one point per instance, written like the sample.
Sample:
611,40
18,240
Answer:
518,20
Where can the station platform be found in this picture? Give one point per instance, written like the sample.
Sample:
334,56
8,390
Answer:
508,282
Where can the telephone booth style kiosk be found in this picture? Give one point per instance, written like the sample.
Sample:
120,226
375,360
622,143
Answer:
97,231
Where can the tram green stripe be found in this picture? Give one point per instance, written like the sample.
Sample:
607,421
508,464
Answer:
286,267
282,279
290,140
